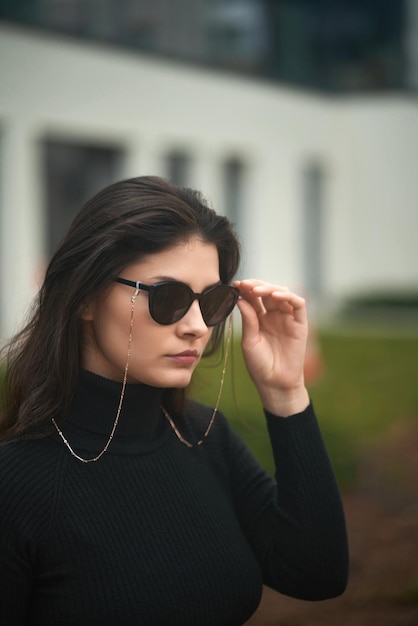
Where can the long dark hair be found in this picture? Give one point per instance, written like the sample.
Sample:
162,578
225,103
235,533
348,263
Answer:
119,225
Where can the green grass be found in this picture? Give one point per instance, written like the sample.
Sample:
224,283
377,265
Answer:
369,381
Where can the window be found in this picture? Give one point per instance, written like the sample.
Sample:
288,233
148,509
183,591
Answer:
312,227
178,167
73,173
233,180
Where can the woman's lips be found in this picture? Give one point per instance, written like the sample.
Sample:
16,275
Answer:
188,357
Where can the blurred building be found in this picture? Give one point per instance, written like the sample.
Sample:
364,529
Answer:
331,45
320,180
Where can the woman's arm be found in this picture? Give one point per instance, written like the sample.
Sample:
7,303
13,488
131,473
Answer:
295,525
297,529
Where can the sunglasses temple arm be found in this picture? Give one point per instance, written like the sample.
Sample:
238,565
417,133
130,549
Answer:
137,289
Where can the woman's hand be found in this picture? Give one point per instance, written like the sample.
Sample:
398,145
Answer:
274,336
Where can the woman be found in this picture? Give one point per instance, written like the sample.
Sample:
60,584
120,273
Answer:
123,502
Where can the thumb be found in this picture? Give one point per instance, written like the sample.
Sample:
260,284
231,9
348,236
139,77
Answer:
250,324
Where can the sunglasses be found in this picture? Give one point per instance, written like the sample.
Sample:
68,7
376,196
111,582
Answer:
169,301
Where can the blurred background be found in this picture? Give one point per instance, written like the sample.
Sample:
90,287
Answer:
299,120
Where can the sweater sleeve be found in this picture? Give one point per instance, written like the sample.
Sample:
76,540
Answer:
296,524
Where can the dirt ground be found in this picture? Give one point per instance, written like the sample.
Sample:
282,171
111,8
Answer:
382,524
384,569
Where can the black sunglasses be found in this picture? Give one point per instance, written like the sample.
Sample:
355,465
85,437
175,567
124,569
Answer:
169,301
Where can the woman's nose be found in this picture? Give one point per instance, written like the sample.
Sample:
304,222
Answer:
193,321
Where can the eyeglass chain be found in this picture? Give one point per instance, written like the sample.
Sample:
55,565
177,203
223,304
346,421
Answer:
165,412
215,410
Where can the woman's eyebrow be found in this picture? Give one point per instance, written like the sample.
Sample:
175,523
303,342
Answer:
162,278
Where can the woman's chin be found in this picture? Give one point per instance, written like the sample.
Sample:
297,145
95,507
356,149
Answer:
169,382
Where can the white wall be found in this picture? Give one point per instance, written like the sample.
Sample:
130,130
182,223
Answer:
382,140
367,147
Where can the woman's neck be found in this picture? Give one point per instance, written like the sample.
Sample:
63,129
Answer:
94,409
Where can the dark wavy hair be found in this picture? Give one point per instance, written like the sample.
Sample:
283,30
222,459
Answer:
119,225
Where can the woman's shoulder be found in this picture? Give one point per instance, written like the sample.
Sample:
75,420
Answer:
23,448
199,416
27,464
28,489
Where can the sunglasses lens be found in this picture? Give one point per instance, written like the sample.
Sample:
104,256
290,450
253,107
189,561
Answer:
169,302
217,303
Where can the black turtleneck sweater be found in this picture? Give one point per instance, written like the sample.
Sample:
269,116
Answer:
155,533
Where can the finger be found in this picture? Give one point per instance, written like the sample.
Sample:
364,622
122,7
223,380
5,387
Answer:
294,304
256,292
271,295
250,323
252,283
268,297
246,289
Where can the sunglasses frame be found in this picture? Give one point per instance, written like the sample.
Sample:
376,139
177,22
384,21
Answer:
193,295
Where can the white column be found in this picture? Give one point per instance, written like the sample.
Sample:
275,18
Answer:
22,221
144,156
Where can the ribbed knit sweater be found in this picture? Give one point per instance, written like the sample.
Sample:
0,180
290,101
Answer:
156,533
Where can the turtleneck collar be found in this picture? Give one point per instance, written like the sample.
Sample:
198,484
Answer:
141,426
